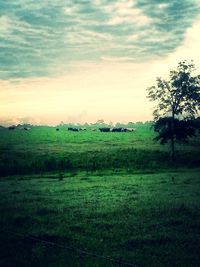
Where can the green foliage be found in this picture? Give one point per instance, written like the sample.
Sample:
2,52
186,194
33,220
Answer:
182,129
179,95
176,98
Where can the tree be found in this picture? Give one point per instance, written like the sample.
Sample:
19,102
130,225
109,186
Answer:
177,99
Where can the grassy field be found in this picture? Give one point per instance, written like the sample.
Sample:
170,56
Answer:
44,149
65,197
148,220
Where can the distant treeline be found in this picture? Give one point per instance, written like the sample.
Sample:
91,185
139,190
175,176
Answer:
98,124
129,125
102,124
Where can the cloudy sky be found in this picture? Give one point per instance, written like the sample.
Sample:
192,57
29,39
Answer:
83,60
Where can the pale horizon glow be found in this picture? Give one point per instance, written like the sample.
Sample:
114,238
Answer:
113,88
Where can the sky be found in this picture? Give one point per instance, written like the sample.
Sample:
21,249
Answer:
84,60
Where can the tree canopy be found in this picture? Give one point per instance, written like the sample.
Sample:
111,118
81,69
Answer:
177,104
179,95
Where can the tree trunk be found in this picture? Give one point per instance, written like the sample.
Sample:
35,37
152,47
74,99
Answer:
172,139
172,150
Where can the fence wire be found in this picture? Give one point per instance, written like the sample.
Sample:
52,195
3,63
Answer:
68,247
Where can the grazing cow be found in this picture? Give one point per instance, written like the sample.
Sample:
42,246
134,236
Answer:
11,127
72,129
117,130
82,129
130,129
57,129
104,129
27,128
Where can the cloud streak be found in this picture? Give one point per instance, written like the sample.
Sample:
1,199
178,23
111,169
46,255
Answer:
45,38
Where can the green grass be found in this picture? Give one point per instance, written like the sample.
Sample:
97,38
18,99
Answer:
44,149
112,194
145,219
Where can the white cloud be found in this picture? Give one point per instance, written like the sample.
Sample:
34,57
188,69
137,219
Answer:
189,49
133,37
124,5
125,12
10,24
130,19
108,8
114,88
70,10
116,59
43,44
97,2
119,6
5,26
163,6
83,36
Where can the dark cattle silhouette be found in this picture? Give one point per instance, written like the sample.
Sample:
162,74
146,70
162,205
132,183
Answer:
72,129
104,129
117,130
82,129
27,128
11,127
57,129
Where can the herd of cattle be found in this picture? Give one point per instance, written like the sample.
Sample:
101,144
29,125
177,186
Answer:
104,129
75,129
21,128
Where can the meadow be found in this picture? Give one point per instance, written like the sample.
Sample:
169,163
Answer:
97,199
44,149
